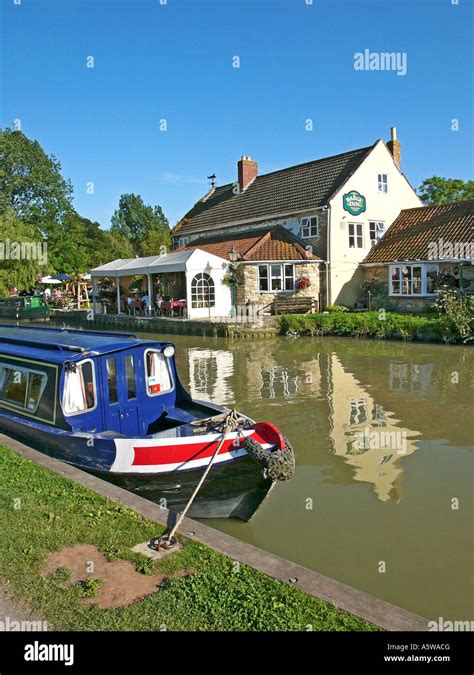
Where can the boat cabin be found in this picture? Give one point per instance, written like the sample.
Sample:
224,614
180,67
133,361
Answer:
91,382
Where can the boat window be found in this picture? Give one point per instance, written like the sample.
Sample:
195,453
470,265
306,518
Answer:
79,388
21,386
130,375
112,380
158,375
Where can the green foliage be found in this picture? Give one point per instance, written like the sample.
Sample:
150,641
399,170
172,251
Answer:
456,315
31,183
213,594
89,587
379,325
146,227
437,190
19,273
336,308
378,290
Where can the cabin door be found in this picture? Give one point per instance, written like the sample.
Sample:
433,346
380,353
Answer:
120,394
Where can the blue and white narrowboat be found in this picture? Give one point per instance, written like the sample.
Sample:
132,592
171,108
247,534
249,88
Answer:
113,404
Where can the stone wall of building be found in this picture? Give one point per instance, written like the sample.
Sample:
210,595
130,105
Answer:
248,293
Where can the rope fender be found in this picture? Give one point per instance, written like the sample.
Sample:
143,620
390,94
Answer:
278,464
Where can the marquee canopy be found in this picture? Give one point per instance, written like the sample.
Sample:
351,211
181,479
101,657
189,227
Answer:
180,261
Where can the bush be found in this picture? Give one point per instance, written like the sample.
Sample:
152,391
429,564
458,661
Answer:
456,315
336,308
379,325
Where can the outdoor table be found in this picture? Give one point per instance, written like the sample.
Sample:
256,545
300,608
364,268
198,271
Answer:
172,305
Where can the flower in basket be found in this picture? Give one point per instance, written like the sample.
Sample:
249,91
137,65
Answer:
303,282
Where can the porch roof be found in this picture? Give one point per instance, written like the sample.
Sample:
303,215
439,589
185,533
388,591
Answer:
178,261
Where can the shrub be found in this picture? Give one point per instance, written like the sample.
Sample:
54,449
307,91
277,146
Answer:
456,314
364,324
336,308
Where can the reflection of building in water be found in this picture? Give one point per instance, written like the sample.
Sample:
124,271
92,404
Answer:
410,377
266,378
277,382
209,374
365,434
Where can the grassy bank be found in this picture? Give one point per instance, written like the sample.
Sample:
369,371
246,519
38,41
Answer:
42,512
364,324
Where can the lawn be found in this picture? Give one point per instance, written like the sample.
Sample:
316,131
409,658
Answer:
41,512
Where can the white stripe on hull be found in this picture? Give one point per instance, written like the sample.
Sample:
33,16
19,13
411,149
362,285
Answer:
125,453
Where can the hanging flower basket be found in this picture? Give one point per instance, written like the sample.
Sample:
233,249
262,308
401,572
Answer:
230,279
302,283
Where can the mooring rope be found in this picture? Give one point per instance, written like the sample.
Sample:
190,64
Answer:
229,423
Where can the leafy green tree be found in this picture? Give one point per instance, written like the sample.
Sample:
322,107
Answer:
145,226
436,190
19,266
67,245
31,183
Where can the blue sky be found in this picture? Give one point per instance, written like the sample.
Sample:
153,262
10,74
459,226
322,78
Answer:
174,61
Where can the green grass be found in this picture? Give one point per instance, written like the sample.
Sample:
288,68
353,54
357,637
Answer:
388,325
41,512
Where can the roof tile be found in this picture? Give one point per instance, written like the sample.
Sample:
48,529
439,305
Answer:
291,190
410,235
275,243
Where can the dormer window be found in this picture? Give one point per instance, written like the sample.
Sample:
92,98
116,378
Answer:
382,182
309,227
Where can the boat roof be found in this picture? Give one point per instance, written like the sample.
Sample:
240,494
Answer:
64,344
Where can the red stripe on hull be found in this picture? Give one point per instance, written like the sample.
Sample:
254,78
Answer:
178,454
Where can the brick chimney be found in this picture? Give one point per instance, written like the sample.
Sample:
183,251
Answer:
394,146
247,170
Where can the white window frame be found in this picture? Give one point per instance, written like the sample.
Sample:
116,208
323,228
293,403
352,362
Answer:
170,372
424,269
183,241
199,282
94,384
355,235
306,223
382,185
376,229
282,276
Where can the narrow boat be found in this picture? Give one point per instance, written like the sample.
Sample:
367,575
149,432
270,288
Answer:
113,404
29,308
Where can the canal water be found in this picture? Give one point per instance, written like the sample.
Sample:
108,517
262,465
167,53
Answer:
382,498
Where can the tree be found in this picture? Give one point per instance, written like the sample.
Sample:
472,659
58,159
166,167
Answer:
22,254
146,227
31,183
67,245
437,190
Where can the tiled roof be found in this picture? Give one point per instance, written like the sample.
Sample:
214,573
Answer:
409,237
276,243
291,190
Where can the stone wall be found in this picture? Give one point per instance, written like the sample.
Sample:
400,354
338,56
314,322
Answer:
248,292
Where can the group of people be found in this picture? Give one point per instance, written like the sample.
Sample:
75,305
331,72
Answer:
134,304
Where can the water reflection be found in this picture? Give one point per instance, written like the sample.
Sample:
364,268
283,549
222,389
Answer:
209,373
360,430
365,434
382,434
